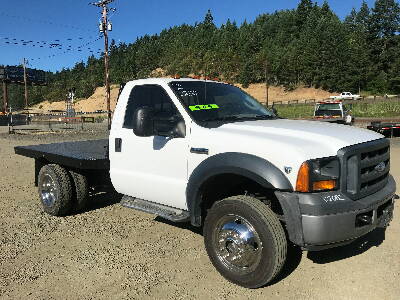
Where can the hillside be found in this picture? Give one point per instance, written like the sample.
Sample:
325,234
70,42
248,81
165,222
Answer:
278,93
97,100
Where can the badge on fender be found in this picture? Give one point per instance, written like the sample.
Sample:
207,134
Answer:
333,198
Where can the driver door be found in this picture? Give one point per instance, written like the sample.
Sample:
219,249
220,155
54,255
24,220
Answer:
151,168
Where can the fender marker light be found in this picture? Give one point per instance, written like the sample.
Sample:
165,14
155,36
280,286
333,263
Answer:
303,179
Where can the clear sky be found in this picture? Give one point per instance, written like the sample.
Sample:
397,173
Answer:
44,25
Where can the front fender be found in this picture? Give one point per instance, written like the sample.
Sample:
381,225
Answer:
250,166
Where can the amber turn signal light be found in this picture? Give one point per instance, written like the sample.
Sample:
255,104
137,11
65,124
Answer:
303,179
324,185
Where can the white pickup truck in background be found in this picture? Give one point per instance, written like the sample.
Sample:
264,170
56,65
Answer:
346,96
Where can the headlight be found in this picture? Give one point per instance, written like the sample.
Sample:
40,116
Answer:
318,175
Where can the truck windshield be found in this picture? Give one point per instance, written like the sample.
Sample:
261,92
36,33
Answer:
211,101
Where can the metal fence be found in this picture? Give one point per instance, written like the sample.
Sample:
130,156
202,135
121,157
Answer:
366,100
27,123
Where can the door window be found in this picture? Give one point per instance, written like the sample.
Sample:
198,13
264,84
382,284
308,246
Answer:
152,96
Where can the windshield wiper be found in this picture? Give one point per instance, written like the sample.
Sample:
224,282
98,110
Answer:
226,118
240,118
263,117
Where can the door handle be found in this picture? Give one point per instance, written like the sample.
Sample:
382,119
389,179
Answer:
118,144
199,150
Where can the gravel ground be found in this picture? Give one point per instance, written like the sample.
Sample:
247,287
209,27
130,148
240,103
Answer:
111,252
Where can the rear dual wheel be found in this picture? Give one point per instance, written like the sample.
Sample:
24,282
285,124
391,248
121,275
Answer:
61,191
245,241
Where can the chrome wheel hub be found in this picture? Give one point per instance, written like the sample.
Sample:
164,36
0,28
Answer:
48,190
237,244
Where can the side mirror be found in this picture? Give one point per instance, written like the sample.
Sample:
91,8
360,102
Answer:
179,131
143,121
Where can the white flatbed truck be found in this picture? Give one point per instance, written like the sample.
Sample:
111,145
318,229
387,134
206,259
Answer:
207,153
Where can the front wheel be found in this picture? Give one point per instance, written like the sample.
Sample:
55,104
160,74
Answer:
245,241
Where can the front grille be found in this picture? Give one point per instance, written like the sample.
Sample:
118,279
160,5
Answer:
364,168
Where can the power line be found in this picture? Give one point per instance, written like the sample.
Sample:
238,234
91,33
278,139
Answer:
26,19
80,48
51,43
53,46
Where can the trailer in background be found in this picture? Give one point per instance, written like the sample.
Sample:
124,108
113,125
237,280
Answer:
387,129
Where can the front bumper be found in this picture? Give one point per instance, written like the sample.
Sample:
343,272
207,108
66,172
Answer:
317,221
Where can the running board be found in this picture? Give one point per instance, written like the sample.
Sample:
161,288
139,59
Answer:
166,212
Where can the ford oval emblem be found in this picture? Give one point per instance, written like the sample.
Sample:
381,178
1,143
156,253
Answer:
380,167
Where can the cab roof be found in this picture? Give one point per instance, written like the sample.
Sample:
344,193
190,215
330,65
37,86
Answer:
166,80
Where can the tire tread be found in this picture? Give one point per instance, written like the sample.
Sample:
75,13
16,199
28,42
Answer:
81,191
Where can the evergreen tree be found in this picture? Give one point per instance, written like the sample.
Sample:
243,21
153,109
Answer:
385,19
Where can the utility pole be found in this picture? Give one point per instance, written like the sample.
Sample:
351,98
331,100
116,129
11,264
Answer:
105,26
24,62
5,96
266,83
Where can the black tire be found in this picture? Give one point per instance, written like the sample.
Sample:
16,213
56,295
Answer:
81,191
270,254
54,181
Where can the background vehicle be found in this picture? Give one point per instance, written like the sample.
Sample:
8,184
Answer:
346,96
388,129
333,112
209,154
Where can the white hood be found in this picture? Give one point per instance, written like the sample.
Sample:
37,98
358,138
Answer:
310,133
285,143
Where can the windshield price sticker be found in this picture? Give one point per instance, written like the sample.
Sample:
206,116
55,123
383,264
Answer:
201,107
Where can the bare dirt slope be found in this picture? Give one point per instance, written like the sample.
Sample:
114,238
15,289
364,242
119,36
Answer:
111,252
97,100
278,93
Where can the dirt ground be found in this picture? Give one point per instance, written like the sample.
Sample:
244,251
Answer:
112,252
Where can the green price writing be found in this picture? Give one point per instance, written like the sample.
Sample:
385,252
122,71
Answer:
203,106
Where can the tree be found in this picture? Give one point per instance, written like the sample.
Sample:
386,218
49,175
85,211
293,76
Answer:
385,19
303,11
209,20
363,17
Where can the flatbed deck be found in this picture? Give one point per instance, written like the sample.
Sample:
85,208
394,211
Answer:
88,155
